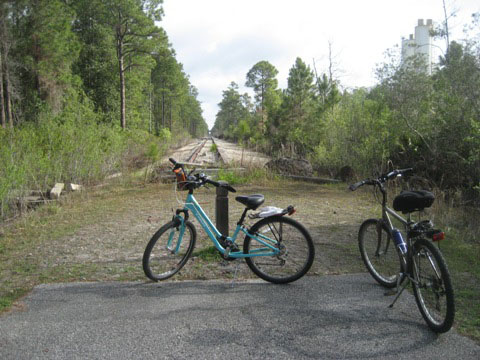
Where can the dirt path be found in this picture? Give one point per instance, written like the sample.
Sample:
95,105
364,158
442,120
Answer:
232,153
115,243
102,235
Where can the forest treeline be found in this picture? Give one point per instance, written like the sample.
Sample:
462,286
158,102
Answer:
84,86
409,119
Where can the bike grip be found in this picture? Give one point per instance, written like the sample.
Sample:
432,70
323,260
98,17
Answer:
406,171
172,160
217,184
355,186
391,174
228,187
214,183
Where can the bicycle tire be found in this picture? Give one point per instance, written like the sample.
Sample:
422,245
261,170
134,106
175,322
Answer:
296,257
429,289
160,261
379,253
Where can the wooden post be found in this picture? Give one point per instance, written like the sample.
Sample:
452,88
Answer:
221,210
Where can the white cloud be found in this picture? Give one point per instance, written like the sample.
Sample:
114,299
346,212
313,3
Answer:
218,41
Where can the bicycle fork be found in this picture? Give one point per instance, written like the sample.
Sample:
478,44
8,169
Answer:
180,227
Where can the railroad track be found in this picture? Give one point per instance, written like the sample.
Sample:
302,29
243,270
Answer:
226,153
193,156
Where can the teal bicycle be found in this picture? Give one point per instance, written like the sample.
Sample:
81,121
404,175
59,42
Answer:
276,248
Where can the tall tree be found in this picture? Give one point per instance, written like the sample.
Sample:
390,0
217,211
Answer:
97,61
262,79
6,43
300,87
135,34
3,19
47,47
298,123
233,109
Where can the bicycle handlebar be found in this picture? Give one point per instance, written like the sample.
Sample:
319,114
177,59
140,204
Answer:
201,179
355,186
381,179
217,184
395,173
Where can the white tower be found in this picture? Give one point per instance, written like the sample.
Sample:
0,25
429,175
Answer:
419,45
408,48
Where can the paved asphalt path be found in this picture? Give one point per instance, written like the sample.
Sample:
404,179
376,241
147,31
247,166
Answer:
329,317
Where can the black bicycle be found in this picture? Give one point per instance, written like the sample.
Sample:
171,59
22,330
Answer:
395,262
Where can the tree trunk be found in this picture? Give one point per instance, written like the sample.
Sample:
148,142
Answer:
122,88
447,34
121,70
2,107
163,109
6,102
170,114
8,99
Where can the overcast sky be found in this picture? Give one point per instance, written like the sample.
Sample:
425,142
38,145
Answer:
218,41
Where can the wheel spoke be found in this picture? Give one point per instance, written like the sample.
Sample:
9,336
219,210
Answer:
295,248
432,287
380,258
168,250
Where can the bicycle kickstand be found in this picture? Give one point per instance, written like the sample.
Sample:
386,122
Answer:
401,279
235,274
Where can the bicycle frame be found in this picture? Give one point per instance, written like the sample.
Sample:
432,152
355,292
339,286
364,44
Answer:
407,261
192,205
386,211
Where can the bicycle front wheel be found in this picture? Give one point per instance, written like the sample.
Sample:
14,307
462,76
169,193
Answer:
168,250
294,242
432,286
378,252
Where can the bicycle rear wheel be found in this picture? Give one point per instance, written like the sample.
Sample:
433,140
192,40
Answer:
296,250
166,253
432,286
379,253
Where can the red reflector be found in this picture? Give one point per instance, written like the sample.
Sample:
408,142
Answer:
438,236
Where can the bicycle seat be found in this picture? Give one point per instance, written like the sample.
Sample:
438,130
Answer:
251,202
410,201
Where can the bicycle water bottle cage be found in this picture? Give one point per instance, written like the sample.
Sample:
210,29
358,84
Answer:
410,201
252,202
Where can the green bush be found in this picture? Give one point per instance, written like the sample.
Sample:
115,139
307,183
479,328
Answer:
249,176
66,148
